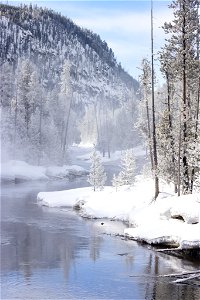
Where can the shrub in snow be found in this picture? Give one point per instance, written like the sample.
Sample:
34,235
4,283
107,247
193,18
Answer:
127,175
97,177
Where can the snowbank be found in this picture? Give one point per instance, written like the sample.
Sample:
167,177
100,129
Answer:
15,170
168,220
63,198
167,232
65,171
19,170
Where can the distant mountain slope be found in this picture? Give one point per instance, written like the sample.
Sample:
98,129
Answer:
43,35
60,84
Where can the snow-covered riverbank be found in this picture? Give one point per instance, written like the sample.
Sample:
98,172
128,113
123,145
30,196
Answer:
15,170
168,220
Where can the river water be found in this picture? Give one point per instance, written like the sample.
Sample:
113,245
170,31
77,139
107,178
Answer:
55,254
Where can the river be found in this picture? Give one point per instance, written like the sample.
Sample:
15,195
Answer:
55,254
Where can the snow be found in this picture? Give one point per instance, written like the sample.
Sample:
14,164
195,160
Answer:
63,198
187,207
65,171
168,220
137,151
21,171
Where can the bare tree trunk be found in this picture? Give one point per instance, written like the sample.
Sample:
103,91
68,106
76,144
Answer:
171,130
179,159
184,159
196,135
149,133
198,104
153,112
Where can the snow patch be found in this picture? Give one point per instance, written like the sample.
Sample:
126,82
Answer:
15,170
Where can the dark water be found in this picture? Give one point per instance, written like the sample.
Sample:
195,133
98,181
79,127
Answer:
55,254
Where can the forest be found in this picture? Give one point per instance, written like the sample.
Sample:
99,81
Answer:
61,85
100,172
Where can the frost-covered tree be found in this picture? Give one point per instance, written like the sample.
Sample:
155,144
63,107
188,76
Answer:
66,98
144,122
7,100
24,99
127,174
87,127
180,64
97,177
117,181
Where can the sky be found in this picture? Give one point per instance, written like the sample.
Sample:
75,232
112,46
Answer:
124,25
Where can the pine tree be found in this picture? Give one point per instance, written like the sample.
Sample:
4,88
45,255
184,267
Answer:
97,176
117,181
180,62
127,175
144,120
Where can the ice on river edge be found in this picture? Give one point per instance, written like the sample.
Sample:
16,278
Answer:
169,219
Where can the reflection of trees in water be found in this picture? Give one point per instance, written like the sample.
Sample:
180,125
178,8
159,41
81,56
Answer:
129,262
25,255
159,288
67,257
95,244
33,248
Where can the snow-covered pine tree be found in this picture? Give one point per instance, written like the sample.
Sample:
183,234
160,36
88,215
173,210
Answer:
117,181
127,175
144,123
97,177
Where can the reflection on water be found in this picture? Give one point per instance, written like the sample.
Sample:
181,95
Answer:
55,254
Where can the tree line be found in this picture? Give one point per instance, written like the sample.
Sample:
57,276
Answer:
177,130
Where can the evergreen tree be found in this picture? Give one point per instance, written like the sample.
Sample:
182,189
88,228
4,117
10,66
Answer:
127,175
116,181
97,176
144,122
180,63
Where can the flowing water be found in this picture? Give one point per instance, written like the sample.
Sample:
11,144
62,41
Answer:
55,254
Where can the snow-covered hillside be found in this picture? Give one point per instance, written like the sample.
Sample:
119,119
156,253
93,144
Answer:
60,84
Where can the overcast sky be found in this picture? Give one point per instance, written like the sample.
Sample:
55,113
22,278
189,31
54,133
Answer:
124,25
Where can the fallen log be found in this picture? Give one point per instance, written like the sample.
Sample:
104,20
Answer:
169,275
182,253
182,280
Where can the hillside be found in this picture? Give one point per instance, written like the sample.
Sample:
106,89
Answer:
47,40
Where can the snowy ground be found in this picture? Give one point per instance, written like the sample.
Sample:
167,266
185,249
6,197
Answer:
169,220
